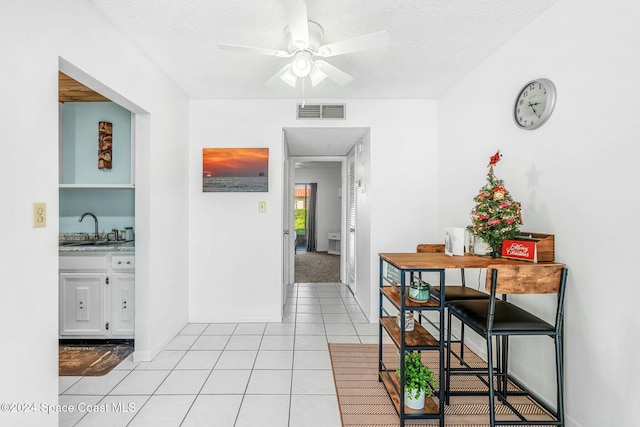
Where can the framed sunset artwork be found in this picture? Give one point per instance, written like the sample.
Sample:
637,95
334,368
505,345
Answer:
235,170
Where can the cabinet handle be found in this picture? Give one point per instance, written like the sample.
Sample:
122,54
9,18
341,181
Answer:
119,262
128,262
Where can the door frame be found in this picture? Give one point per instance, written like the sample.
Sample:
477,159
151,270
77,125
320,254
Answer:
287,222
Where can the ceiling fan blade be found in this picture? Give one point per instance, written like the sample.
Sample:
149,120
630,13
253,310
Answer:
356,44
333,73
297,22
258,50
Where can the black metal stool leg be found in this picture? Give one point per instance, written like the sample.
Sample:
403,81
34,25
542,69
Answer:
464,283
492,413
560,378
447,386
504,369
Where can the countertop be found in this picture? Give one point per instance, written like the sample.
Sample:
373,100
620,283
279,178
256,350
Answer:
103,246
115,247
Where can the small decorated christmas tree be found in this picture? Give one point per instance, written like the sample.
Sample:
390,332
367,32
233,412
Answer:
496,215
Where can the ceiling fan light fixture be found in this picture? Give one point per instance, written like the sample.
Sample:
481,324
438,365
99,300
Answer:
316,76
289,77
301,64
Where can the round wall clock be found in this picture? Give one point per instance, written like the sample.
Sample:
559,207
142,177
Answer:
534,104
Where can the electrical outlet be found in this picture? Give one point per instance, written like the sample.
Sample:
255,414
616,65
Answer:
262,207
39,215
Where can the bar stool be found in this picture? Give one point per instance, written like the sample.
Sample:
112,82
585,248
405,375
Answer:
452,292
502,319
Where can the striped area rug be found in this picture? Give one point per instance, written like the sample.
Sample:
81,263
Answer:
364,402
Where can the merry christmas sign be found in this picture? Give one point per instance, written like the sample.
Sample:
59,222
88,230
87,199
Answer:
529,246
520,249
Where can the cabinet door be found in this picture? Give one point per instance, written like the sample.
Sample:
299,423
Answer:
123,305
82,304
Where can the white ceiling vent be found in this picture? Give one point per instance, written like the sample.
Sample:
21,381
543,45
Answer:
321,111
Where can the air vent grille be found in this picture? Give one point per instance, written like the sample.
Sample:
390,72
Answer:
321,111
309,111
333,111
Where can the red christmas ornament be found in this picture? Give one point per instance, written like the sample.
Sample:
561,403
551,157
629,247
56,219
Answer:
495,158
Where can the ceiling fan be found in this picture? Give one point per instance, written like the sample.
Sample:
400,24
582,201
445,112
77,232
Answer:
304,40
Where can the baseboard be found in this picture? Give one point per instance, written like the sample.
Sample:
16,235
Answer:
147,356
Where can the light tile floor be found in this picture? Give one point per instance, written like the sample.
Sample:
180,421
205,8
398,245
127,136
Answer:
231,375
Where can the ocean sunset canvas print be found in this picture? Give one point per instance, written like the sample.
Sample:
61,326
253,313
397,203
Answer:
235,169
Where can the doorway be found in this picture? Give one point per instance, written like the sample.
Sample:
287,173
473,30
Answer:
116,205
304,213
317,211
312,147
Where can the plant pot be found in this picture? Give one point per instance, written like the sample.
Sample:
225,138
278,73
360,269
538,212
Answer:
417,403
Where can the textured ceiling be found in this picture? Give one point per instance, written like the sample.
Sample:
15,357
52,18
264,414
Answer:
433,42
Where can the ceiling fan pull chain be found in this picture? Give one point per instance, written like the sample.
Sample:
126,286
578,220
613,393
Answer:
303,79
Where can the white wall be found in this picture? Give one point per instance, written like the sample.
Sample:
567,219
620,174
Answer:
236,252
40,32
576,176
329,204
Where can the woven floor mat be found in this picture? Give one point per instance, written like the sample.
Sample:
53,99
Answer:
364,401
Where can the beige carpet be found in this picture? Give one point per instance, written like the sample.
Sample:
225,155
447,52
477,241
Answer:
316,267
364,401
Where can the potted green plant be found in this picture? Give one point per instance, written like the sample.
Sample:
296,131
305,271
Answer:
419,380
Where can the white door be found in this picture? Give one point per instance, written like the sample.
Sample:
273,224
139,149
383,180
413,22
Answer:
288,231
350,246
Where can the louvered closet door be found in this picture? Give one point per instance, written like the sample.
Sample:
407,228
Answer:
351,223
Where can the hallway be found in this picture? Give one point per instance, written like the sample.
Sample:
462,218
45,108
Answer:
232,375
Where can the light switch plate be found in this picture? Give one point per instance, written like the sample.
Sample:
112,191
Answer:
262,207
39,215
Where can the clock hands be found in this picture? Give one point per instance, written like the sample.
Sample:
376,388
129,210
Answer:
534,110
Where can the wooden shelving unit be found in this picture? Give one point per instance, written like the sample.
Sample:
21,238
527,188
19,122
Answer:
394,286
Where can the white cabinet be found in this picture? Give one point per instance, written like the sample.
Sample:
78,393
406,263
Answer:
123,291
97,295
334,243
82,304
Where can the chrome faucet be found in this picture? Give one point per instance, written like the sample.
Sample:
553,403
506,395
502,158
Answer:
94,219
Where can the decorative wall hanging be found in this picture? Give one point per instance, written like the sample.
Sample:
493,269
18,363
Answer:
235,170
105,145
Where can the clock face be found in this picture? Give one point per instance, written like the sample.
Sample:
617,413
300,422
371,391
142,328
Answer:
534,103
